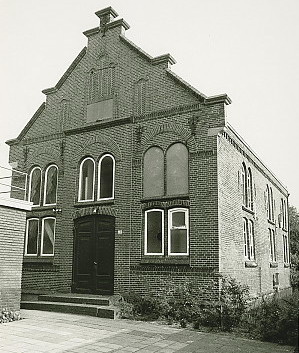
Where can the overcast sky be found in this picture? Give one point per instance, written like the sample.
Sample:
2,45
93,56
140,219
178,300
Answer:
248,49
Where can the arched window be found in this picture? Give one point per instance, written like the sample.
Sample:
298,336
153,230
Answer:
51,179
177,169
270,203
86,180
244,185
106,177
34,194
153,172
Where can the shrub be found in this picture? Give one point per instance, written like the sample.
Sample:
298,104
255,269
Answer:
274,319
142,307
9,316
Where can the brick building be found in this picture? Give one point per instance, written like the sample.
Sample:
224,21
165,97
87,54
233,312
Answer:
136,179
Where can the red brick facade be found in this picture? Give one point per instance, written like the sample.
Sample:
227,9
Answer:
147,105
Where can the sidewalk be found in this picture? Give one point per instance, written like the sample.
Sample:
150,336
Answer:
41,332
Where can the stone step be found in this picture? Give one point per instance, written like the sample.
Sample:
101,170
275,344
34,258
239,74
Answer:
108,312
76,298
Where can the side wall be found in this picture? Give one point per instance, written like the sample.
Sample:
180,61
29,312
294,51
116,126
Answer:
12,228
258,274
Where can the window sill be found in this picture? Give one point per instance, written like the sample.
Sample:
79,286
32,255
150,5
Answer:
246,209
273,264
38,259
166,198
44,208
173,260
250,263
286,265
94,203
271,222
284,230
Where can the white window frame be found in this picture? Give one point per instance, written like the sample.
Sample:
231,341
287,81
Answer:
80,180
42,237
245,227
272,246
40,189
99,177
145,231
170,212
26,237
251,251
45,186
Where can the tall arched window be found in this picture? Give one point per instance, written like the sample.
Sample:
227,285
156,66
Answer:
51,179
244,185
270,203
106,177
34,194
177,169
249,189
86,180
153,172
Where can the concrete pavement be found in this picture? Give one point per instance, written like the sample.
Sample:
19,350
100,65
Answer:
46,332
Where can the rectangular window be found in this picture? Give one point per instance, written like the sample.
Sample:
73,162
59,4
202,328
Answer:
154,232
251,241
48,236
248,236
31,240
285,249
178,231
272,246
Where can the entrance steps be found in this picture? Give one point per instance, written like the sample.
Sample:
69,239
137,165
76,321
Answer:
81,304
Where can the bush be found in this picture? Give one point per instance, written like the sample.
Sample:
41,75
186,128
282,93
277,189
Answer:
274,319
136,306
9,316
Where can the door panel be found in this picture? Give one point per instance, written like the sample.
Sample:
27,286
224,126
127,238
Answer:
94,255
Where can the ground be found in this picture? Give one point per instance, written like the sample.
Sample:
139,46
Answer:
46,332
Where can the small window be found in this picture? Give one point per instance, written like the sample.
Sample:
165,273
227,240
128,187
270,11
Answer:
153,172
51,178
272,246
86,180
178,231
48,236
284,217
244,188
177,169
270,203
34,194
154,232
249,190
31,238
106,177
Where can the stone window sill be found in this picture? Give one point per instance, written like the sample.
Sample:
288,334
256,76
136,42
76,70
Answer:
271,222
38,259
246,209
250,263
273,264
173,260
286,265
94,203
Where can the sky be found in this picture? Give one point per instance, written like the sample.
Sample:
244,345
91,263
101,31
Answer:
248,49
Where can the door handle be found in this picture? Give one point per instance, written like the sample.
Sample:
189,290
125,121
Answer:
95,263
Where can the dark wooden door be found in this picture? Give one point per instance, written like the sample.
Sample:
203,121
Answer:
93,270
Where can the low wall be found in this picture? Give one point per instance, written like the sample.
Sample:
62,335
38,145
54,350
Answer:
12,231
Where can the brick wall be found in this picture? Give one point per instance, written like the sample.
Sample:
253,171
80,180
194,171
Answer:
232,152
12,228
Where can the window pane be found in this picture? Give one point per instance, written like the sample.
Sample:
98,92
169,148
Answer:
35,185
48,236
32,236
51,185
86,179
153,172
178,219
178,243
177,169
106,178
154,232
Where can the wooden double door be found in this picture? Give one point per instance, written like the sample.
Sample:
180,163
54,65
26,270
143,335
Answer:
93,263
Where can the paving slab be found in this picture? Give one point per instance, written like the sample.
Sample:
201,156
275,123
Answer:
49,332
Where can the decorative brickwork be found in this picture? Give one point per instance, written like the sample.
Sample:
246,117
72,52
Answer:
140,103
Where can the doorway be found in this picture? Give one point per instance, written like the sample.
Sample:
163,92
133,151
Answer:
93,264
